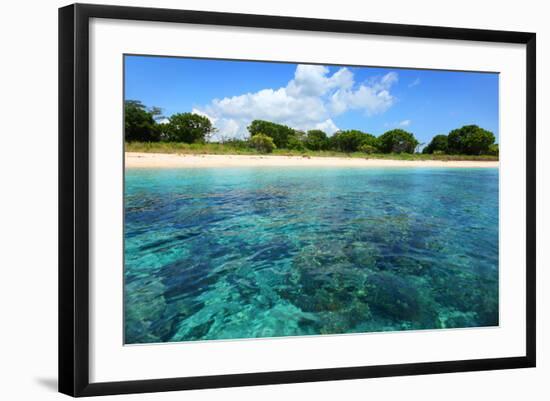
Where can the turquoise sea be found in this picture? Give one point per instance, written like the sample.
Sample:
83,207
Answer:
234,253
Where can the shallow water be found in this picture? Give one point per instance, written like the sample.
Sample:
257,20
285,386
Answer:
261,252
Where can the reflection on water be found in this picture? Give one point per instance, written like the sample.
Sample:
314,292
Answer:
263,252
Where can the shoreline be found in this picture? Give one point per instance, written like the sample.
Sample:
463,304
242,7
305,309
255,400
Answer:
170,160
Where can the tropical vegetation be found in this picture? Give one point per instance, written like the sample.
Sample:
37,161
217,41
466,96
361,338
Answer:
146,129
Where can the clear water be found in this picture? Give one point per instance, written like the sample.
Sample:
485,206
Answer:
263,252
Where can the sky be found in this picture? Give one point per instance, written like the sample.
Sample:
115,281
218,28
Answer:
304,96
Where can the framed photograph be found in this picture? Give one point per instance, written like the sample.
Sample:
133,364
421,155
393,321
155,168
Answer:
251,199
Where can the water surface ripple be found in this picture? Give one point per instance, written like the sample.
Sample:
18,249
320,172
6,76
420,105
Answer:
262,252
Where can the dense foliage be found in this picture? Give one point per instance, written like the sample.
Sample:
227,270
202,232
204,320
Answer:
397,141
316,140
188,128
366,148
352,140
278,132
439,143
493,150
141,125
295,143
262,143
470,140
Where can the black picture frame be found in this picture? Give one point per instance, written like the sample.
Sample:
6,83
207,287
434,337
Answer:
74,199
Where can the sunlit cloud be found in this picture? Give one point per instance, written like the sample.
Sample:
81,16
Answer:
309,101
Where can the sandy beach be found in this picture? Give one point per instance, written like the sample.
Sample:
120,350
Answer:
166,160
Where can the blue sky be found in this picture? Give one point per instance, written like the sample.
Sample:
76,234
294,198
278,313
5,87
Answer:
373,100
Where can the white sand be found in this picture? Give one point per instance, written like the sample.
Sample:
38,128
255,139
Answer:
165,160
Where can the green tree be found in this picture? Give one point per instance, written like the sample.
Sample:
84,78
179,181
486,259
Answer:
397,141
156,112
369,149
278,132
300,135
350,141
139,123
188,128
262,143
294,143
438,143
316,140
493,149
470,140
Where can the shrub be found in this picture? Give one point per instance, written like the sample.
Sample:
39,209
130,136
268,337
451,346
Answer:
470,140
439,143
139,123
397,141
278,132
493,149
262,143
188,128
236,143
316,140
350,141
369,149
295,144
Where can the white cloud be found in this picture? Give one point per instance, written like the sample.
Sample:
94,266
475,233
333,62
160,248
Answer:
371,99
310,100
414,83
403,123
388,80
202,113
312,80
328,126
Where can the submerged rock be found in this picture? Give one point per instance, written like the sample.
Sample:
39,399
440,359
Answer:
399,299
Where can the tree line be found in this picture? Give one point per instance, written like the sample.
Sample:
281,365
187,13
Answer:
141,125
467,140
